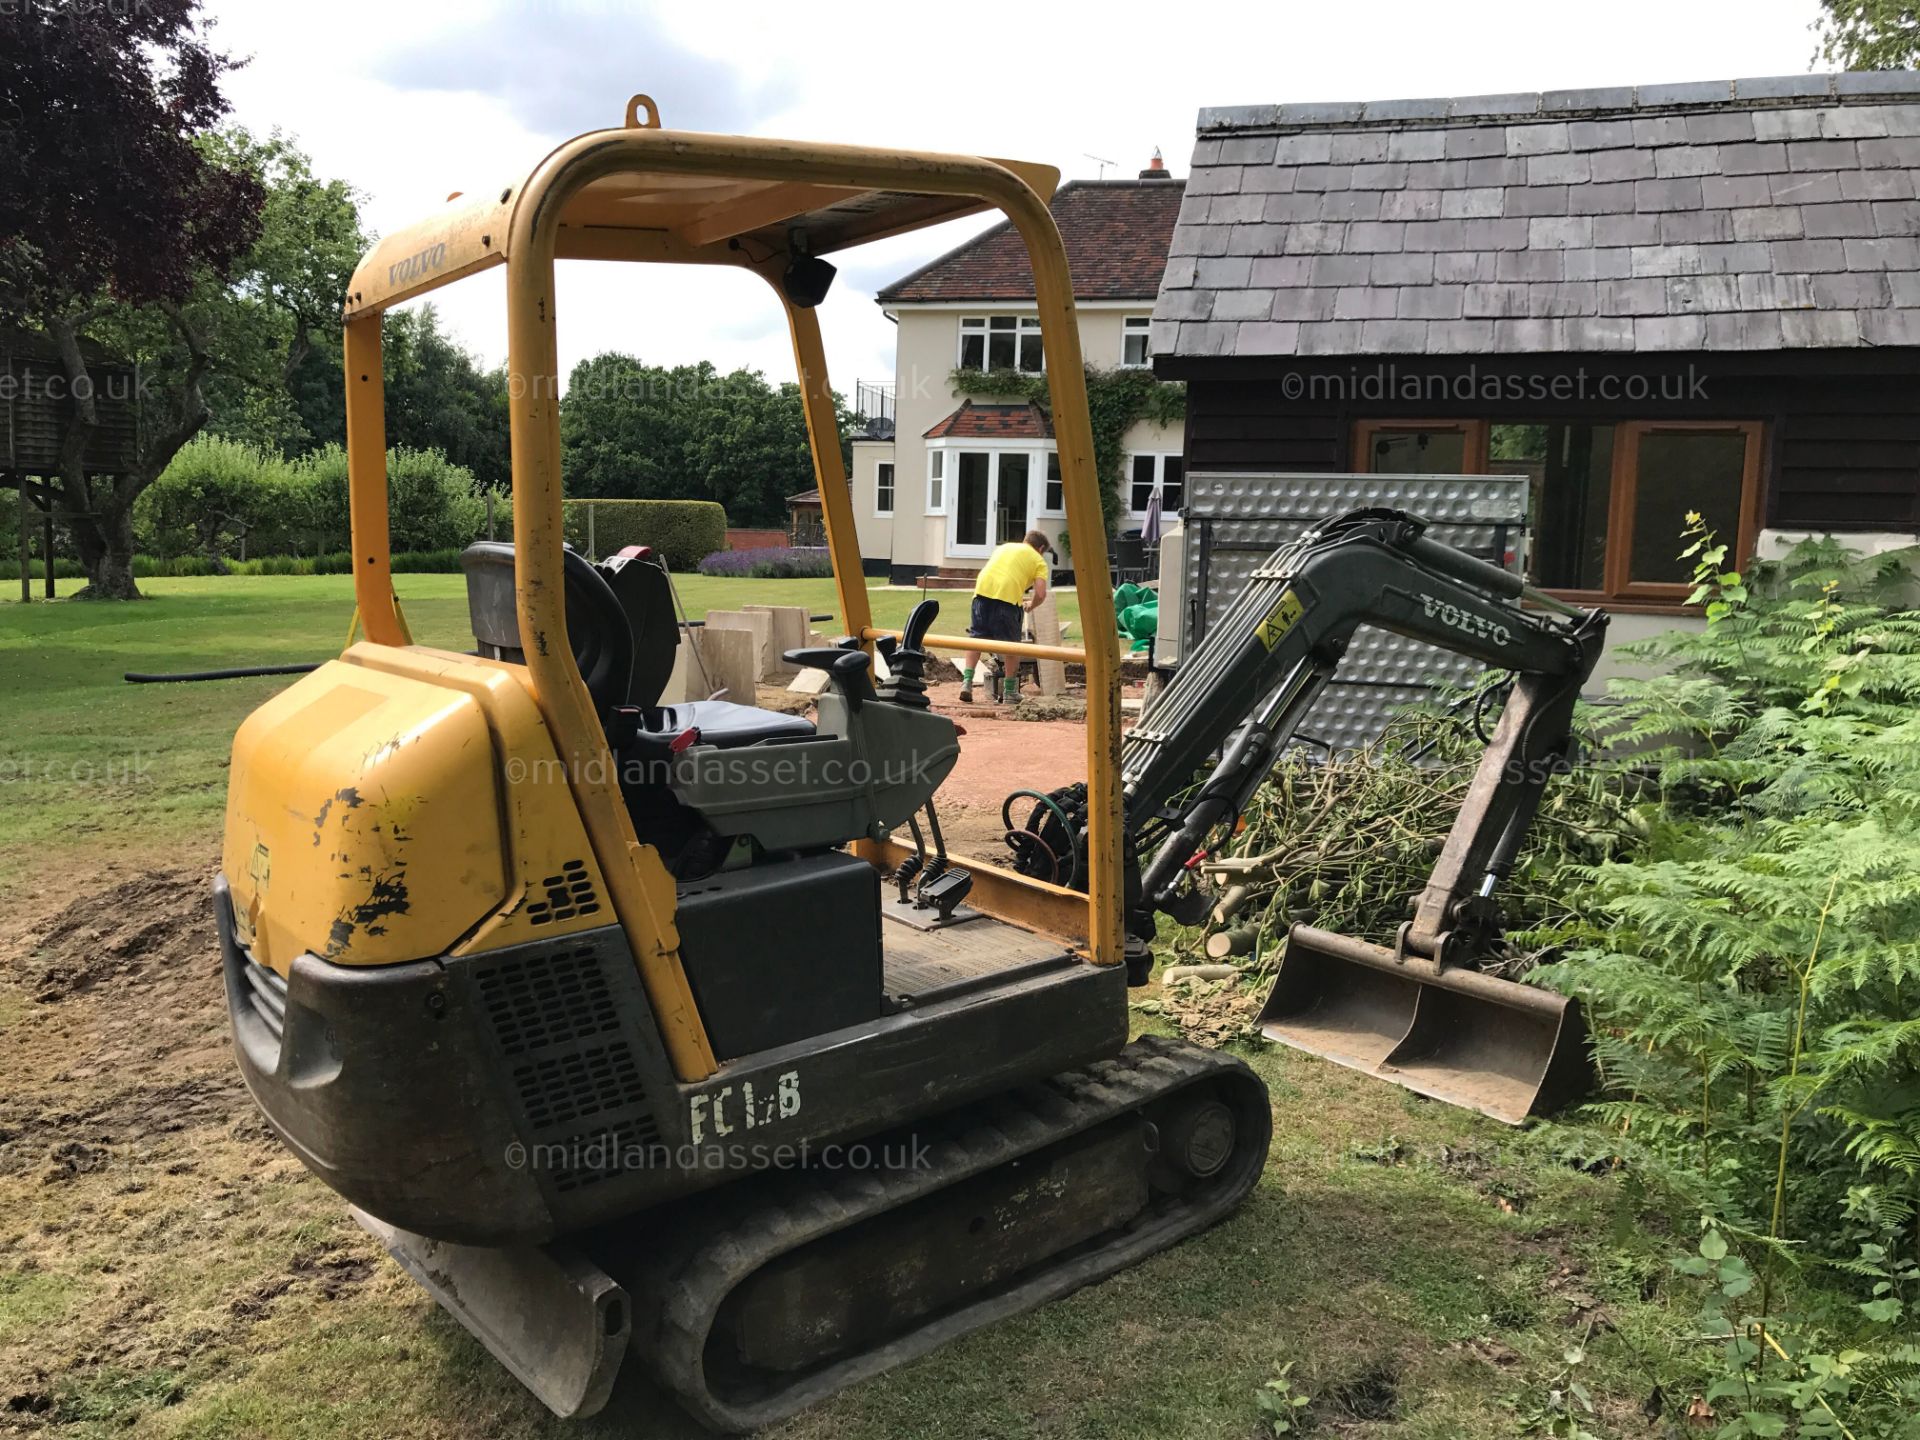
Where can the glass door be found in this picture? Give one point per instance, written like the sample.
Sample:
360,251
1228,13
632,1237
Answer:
1010,497
972,504
992,501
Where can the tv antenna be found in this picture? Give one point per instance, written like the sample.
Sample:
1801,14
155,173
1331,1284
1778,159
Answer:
1101,161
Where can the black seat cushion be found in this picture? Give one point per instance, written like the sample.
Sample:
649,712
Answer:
727,725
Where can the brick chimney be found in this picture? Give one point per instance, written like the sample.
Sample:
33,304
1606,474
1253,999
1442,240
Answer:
1156,168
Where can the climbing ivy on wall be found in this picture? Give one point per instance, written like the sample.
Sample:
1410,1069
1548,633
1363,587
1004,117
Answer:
1116,400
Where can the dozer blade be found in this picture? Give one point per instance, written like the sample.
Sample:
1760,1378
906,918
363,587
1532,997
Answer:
552,1317
1497,1046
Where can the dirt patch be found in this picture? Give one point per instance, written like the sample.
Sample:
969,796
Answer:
106,935
1050,707
332,1272
1373,1394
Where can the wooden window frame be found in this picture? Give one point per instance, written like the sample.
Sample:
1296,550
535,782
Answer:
1474,458
888,489
1621,593
1621,510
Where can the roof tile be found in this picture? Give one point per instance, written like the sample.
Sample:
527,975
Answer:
1531,200
1734,215
1117,236
1726,192
1544,139
993,422
1600,134
1484,140
1717,126
1682,160
1612,165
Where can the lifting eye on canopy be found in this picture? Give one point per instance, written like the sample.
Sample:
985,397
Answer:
664,216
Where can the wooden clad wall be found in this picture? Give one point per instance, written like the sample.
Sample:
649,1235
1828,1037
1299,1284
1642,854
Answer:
32,419
1844,427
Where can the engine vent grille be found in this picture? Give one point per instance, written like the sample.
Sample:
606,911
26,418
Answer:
562,1089
568,894
268,997
543,1000
558,1023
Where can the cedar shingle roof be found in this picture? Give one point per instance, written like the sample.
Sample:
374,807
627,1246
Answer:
1729,215
993,422
1115,233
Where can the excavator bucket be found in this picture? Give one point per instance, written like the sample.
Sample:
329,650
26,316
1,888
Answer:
1497,1046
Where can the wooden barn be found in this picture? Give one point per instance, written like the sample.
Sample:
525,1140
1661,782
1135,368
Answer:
1651,301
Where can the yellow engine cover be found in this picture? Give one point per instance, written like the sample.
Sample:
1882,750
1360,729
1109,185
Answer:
397,804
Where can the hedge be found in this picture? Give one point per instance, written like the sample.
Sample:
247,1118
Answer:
148,567
683,531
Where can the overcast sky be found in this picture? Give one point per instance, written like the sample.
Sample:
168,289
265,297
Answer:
410,101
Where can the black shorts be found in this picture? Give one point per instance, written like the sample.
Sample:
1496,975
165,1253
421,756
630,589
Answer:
994,619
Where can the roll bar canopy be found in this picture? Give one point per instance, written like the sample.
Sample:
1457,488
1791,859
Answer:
642,193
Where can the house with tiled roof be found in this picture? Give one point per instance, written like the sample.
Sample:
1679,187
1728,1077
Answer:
1650,301
949,476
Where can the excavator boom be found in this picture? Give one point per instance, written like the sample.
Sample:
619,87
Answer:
1420,1013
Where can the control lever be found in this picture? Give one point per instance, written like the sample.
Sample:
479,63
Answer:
907,660
849,670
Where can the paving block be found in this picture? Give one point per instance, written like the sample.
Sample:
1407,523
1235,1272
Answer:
731,657
758,624
1046,631
790,629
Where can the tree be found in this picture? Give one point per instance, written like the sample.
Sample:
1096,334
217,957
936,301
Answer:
295,273
1869,34
438,398
110,203
646,432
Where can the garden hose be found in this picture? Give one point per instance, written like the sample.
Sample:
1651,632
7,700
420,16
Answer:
142,677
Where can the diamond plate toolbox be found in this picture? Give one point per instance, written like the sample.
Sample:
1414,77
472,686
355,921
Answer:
1235,520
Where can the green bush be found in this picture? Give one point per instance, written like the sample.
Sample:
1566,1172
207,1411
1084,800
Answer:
432,503
217,498
683,531
63,569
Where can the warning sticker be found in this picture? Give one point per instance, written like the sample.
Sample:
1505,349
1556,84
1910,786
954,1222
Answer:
1286,612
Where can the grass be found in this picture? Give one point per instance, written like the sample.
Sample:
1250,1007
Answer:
1423,1269
86,759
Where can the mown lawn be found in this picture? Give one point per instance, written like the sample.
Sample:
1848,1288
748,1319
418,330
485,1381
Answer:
166,1269
87,759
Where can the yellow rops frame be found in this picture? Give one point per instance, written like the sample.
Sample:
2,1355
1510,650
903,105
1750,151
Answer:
641,193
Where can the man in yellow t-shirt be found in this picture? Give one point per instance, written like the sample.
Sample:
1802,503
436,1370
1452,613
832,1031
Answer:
1016,570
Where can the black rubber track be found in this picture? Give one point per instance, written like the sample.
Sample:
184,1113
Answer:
737,1233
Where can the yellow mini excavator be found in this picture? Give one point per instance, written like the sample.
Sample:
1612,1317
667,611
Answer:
596,1008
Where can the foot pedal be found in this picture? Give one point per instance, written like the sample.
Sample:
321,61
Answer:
945,891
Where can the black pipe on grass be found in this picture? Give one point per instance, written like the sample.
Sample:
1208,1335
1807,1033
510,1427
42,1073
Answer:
141,677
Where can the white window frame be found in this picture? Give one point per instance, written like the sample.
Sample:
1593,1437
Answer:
1037,453
936,480
1160,458
1024,327
1049,470
1141,325
892,493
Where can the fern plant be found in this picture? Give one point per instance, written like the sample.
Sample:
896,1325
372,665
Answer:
1754,969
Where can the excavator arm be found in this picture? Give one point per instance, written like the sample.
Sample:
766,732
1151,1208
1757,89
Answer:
1242,695
1422,1013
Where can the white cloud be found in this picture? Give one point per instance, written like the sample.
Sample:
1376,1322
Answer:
411,102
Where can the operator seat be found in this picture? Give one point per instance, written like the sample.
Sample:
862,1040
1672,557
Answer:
621,624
